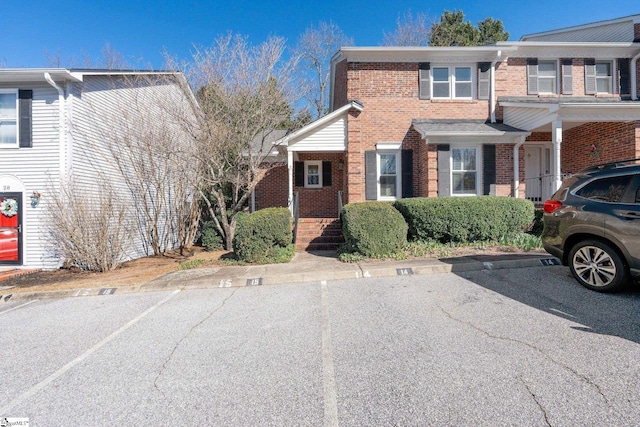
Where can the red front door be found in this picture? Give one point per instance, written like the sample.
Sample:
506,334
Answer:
10,227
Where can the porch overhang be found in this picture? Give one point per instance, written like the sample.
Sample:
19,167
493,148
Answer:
533,113
465,130
327,134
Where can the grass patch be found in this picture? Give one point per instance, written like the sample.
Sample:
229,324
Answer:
192,263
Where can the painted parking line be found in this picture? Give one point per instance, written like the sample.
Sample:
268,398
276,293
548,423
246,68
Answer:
17,307
42,384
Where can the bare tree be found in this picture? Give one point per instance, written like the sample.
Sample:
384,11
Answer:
87,226
112,59
410,31
3,63
315,48
245,92
145,149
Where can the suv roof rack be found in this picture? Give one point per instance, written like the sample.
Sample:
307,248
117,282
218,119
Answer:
613,165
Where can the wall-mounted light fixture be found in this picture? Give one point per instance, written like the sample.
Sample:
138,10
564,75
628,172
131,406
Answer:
341,165
35,199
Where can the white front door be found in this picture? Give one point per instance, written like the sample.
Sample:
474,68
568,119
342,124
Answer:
533,173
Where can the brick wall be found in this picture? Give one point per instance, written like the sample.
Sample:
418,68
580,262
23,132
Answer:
272,190
340,85
322,202
389,93
599,142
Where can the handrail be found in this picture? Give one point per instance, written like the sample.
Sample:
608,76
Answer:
339,203
296,215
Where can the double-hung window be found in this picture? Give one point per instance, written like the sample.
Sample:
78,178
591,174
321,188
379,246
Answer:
313,174
452,82
8,118
388,175
547,77
604,73
464,171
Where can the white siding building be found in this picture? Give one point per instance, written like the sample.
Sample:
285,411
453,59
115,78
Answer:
54,127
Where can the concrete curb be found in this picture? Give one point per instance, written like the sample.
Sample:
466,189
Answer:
321,269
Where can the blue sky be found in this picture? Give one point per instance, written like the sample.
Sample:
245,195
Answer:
142,29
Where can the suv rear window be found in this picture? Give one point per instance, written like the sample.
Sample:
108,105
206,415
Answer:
610,189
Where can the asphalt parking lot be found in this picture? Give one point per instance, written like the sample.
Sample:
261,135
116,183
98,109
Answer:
525,346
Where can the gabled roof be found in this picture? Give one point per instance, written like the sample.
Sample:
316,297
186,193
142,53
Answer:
322,121
611,30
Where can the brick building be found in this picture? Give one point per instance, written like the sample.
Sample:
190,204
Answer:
508,119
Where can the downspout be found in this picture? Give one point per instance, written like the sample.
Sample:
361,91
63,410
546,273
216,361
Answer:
634,82
516,167
492,94
61,125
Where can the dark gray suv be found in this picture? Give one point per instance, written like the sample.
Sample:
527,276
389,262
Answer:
592,223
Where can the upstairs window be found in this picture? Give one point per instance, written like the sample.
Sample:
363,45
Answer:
547,81
604,80
598,77
452,82
8,118
542,77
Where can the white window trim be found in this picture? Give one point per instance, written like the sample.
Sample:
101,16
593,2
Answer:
556,89
308,163
398,173
612,80
479,177
452,81
17,143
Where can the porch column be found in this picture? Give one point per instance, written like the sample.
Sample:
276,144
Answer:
290,175
516,167
556,137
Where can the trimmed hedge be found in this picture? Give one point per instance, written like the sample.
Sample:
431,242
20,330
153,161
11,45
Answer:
264,236
465,219
373,229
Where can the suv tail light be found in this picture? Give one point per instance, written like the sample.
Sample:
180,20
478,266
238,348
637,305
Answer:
551,206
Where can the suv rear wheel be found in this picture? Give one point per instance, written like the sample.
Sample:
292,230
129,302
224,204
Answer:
597,266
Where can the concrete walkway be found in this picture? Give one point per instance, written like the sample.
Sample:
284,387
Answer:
313,267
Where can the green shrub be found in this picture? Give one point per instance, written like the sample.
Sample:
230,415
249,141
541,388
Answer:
211,239
373,229
465,219
264,237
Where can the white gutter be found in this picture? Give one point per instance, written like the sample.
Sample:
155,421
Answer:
634,81
492,94
61,124
516,167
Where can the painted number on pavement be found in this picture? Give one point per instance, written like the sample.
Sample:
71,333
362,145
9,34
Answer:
254,282
549,261
404,271
107,291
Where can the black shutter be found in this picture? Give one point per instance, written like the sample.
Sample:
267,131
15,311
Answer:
326,174
371,175
625,76
299,174
488,167
444,170
567,76
407,173
532,76
25,98
590,76
424,80
484,79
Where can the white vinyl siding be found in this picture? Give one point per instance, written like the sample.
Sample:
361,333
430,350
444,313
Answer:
37,169
331,136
